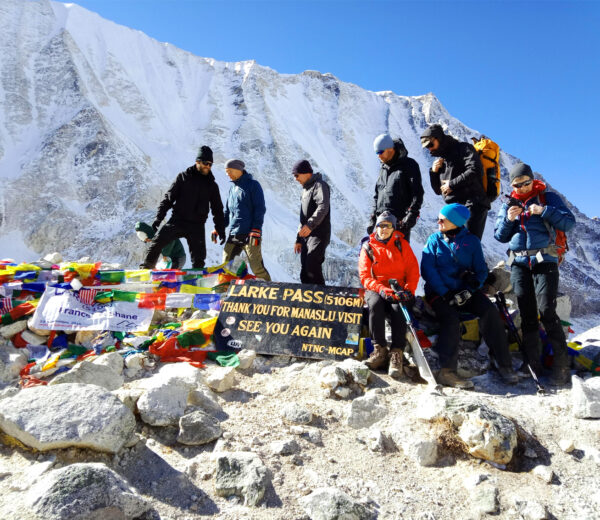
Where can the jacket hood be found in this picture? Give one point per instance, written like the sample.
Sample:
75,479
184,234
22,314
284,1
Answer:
317,176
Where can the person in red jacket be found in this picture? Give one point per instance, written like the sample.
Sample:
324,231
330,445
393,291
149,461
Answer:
384,257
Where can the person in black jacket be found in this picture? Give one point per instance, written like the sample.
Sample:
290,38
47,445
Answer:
457,175
314,231
193,194
399,189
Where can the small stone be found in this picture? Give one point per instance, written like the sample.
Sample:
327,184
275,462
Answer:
296,414
332,504
567,445
484,499
544,473
221,379
315,437
343,392
246,357
227,435
198,428
285,447
365,411
243,475
531,510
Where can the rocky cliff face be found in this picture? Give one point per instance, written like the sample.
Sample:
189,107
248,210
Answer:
97,119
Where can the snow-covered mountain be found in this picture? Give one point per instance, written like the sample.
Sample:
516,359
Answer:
96,120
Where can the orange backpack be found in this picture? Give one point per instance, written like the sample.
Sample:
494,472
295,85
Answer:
489,153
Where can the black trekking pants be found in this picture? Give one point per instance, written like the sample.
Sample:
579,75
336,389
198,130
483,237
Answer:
476,222
379,309
312,256
169,232
536,290
490,324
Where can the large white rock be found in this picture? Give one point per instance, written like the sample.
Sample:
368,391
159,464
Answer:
183,371
61,416
85,491
8,331
31,338
206,399
246,357
333,504
112,360
164,403
365,411
421,449
220,379
242,474
585,397
90,374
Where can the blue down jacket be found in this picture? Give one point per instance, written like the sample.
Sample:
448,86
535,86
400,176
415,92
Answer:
530,231
445,258
245,207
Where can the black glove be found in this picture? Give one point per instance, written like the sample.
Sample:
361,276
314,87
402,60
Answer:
458,298
370,229
387,294
404,296
155,225
470,279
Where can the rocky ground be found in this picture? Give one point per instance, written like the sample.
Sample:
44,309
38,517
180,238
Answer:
283,438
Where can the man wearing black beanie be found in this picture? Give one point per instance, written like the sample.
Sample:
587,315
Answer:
193,194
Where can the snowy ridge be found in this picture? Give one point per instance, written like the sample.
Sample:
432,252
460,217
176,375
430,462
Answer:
96,120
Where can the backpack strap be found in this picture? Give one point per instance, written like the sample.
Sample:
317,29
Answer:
369,250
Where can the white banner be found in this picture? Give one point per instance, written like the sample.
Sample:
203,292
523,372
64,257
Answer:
62,309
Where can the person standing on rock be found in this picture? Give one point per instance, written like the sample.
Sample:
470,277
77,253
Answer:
529,223
457,175
454,270
193,194
384,257
314,231
398,189
173,253
244,215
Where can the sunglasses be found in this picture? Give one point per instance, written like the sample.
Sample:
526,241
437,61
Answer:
522,184
429,145
379,152
385,226
441,219
206,163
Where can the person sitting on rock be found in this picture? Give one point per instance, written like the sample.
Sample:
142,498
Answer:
385,256
454,270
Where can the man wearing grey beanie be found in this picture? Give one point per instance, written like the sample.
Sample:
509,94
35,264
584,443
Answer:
244,215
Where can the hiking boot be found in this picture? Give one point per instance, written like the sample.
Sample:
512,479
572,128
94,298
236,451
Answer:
449,377
508,375
378,357
396,363
560,376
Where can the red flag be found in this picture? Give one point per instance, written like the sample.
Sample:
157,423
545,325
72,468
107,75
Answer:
152,300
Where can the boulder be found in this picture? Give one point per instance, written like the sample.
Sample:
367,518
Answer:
296,414
129,397
31,338
206,399
85,491
333,504
365,411
112,360
135,362
585,397
72,414
357,371
182,371
164,402
90,374
221,379
8,331
198,428
332,376
242,474
12,360
246,357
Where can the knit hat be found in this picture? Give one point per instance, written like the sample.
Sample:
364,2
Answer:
433,131
386,216
204,154
235,164
519,170
143,228
302,166
383,142
456,213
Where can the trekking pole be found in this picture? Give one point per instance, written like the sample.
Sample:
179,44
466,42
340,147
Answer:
503,308
417,351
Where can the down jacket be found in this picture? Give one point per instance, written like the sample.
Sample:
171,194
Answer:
445,258
389,262
529,232
245,207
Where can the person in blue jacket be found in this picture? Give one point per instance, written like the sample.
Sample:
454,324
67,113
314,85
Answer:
454,270
528,222
244,214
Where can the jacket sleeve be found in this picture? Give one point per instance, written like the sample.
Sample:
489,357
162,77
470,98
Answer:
373,217
321,198
504,229
416,189
429,270
479,266
258,206
364,272
473,171
557,214
216,206
411,265
436,184
169,199
226,212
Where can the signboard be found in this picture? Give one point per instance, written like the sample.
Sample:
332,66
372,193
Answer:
296,319
62,309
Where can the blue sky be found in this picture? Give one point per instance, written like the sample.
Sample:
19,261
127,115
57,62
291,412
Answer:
526,73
